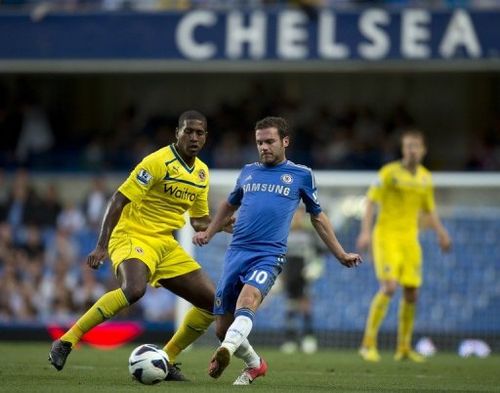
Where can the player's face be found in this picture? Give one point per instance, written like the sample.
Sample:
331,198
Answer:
413,149
271,147
191,137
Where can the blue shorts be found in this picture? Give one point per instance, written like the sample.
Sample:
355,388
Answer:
245,267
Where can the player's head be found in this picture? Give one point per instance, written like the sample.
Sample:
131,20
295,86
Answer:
191,133
413,146
271,136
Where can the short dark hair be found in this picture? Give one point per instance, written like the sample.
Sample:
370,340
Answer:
272,121
414,132
192,115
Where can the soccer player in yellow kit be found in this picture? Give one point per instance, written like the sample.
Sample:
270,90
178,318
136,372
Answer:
403,192
136,233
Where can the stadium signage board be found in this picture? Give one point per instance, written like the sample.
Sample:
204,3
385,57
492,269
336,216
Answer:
255,35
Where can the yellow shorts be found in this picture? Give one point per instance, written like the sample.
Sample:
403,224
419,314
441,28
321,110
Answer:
397,259
164,257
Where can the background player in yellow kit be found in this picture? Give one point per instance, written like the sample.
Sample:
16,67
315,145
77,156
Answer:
403,191
136,233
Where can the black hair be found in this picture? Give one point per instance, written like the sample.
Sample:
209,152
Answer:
192,115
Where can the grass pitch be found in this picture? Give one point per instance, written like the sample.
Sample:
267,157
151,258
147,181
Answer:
24,368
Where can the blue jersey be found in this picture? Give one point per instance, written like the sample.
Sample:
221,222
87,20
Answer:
269,196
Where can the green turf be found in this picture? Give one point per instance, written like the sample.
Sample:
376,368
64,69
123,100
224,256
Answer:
24,368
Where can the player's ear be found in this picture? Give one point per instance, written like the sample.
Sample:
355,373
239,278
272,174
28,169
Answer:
176,132
286,141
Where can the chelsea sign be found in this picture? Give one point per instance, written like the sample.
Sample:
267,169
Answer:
283,35
373,34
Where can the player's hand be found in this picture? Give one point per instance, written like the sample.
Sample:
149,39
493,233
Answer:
444,241
96,258
363,242
228,226
350,260
200,238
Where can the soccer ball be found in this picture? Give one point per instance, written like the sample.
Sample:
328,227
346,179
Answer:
148,364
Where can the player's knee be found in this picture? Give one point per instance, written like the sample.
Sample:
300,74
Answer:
133,292
389,289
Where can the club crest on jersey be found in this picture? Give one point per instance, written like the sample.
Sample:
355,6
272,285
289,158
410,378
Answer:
144,177
202,175
286,178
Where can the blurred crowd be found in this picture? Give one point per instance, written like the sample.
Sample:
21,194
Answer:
43,244
159,5
323,136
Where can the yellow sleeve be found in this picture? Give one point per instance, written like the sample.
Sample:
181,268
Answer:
428,203
200,205
141,179
376,189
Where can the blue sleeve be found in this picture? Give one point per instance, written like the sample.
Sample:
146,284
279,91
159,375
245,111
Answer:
236,195
309,194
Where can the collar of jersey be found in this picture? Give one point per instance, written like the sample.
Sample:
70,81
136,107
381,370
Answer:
179,158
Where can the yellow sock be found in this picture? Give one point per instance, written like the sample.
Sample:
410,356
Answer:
378,310
106,307
195,323
405,325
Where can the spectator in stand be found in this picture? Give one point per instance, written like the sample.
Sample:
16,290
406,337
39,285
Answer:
95,203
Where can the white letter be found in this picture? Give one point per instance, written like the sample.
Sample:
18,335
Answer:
327,46
292,36
460,31
369,26
254,34
184,35
413,33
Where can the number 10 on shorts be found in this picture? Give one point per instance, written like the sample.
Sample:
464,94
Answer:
259,276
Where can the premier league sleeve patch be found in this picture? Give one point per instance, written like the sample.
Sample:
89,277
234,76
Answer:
144,177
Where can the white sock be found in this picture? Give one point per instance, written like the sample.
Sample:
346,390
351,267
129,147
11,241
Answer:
246,353
239,330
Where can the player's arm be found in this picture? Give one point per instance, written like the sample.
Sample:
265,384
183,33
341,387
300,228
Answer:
365,234
111,216
323,227
432,219
223,216
200,223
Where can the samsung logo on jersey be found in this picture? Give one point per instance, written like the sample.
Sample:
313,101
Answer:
263,187
179,193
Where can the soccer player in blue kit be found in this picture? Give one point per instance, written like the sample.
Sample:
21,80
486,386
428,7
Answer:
268,193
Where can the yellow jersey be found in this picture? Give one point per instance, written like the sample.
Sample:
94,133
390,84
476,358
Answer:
161,188
401,195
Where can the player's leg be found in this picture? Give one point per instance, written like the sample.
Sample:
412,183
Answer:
255,366
291,279
386,257
406,320
133,276
309,343
376,315
411,280
197,288
235,333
